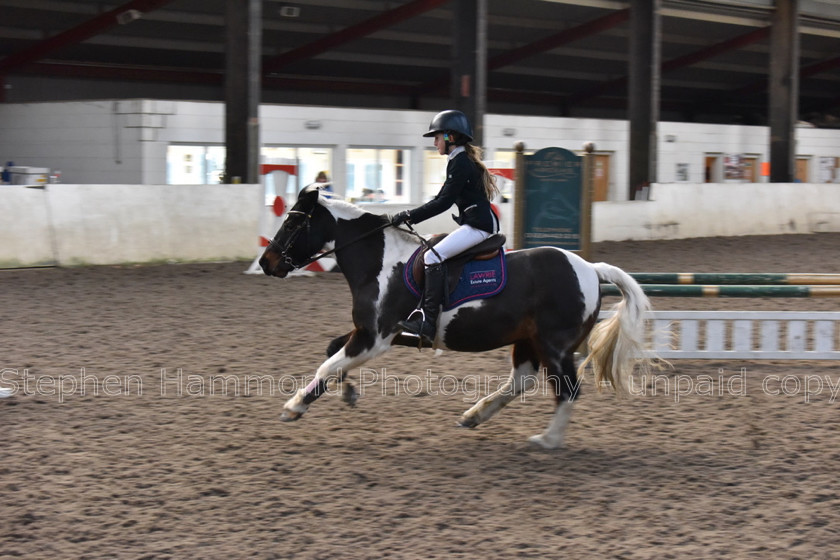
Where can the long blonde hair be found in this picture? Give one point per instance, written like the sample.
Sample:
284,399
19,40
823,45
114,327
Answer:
491,191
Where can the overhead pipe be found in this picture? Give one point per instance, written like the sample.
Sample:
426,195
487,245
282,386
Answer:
381,21
120,15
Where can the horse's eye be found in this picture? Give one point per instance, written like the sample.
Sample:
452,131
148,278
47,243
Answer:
293,221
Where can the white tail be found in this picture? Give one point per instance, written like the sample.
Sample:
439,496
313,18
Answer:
616,344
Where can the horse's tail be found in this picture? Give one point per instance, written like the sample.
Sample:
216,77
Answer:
616,344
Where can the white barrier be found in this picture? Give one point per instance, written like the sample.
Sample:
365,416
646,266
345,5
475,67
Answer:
68,224
26,236
749,335
64,224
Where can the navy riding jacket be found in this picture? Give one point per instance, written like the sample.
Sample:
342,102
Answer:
465,189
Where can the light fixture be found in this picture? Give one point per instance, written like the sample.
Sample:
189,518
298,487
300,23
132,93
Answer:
128,16
290,11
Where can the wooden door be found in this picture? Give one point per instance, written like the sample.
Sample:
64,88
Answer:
802,170
601,180
750,169
712,169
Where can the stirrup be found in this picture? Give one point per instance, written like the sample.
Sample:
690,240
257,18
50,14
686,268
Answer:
408,319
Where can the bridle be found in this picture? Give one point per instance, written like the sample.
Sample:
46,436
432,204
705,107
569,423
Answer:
283,249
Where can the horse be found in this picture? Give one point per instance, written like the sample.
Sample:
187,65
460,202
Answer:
548,308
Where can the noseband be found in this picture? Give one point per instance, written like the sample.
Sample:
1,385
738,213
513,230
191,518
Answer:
283,249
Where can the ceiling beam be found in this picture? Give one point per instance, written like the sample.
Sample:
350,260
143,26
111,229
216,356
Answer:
804,72
689,59
122,72
81,32
711,51
564,37
362,29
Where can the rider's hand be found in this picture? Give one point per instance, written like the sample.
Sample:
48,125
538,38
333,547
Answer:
400,218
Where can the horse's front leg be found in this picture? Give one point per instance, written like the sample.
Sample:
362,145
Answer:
361,346
348,391
338,343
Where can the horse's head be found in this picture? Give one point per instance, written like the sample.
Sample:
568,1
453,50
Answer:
307,228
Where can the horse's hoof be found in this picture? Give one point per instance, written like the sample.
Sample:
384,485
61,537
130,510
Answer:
349,395
544,442
290,416
466,423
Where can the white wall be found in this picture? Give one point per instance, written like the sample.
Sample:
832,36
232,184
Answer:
118,210
25,235
686,210
125,141
107,224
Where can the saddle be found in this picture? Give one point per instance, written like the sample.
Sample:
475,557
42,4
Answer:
486,250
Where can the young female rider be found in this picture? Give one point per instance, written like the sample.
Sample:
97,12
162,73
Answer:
470,187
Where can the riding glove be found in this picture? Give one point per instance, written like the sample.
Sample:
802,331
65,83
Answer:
400,218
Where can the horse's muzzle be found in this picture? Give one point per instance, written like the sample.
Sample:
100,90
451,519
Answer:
274,267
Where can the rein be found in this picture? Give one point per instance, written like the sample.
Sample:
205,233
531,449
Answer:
293,237
423,241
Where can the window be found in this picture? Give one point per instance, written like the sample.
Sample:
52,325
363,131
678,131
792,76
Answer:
434,173
504,159
310,161
194,165
378,175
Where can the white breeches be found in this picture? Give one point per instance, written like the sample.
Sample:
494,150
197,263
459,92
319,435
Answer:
455,243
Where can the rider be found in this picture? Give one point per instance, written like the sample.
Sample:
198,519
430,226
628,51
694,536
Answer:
471,187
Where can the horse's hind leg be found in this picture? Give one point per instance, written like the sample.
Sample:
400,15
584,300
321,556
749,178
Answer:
523,375
563,378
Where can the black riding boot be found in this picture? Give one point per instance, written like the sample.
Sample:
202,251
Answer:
423,321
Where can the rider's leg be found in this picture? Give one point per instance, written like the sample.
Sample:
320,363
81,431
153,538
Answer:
424,324
454,244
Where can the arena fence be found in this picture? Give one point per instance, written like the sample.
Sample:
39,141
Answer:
739,291
734,284
729,278
756,335
753,335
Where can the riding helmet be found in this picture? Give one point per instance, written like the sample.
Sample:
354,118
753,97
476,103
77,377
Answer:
451,121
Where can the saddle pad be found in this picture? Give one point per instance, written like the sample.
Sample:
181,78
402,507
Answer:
478,279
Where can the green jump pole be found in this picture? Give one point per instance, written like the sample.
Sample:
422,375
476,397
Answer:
736,278
670,290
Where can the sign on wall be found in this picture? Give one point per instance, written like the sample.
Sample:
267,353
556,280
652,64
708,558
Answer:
551,209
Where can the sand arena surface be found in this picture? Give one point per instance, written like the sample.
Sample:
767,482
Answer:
146,426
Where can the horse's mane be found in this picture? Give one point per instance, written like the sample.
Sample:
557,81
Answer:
340,208
344,210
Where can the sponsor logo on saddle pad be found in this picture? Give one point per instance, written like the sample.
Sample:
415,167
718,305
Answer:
483,277
478,279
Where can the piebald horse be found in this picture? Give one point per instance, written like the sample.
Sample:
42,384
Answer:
548,308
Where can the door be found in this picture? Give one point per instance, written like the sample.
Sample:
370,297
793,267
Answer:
601,180
713,174
750,169
802,170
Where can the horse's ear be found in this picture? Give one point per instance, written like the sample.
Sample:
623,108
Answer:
309,194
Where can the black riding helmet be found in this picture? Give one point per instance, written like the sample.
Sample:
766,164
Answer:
451,121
